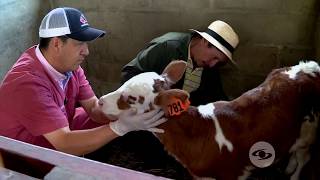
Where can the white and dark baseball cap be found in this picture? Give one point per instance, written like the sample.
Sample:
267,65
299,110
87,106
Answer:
69,22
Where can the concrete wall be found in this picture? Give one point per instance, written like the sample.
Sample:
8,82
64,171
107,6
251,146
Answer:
317,38
19,21
273,33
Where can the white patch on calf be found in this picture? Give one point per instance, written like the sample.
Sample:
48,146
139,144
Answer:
140,89
139,85
208,111
110,103
310,67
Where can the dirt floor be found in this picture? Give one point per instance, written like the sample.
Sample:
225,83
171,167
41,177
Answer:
141,151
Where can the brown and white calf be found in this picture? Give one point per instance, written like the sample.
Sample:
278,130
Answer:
214,140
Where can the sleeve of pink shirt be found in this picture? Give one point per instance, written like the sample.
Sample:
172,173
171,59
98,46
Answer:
85,90
39,113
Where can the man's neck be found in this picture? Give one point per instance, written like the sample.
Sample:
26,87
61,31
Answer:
193,47
50,59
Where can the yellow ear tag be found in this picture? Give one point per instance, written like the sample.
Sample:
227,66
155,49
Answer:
176,106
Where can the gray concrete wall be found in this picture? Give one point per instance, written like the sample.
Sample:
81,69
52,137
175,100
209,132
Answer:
19,21
273,33
317,38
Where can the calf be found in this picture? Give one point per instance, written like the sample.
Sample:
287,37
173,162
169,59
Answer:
214,140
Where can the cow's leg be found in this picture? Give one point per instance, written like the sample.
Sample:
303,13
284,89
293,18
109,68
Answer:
301,149
303,156
204,178
246,173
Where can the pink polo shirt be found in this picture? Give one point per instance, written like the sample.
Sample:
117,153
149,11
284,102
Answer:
33,103
57,76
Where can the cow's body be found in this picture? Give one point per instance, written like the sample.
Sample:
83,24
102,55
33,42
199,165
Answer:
272,112
214,140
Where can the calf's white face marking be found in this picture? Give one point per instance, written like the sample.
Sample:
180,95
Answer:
140,85
208,111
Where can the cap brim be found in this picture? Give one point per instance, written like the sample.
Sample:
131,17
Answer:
88,34
216,44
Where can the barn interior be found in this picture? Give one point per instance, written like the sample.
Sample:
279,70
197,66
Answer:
273,34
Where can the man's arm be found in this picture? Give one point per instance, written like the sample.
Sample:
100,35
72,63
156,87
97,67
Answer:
80,142
91,106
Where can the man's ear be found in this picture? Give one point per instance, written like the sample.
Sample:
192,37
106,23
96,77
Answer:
174,71
56,43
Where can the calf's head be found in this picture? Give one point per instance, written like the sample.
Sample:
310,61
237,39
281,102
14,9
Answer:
145,91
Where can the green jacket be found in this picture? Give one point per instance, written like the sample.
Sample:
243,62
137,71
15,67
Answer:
160,52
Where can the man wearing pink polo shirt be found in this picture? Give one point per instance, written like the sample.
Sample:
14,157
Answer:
40,94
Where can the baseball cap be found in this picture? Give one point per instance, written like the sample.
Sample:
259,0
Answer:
69,22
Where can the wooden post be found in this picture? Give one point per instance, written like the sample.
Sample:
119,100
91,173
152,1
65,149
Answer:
1,161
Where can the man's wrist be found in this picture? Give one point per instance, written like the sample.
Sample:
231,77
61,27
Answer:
115,128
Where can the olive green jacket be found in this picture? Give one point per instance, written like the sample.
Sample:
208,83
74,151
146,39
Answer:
172,46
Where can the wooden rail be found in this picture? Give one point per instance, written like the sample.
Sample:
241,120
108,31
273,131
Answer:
62,165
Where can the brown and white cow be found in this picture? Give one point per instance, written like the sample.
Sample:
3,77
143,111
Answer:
214,140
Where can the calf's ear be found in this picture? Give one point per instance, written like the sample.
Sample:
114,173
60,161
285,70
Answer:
174,71
165,96
168,97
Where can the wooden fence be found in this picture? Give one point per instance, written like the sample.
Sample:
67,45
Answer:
25,161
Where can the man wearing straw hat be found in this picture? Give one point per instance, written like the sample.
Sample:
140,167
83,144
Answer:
204,52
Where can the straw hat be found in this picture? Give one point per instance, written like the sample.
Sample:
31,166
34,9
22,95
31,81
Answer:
222,36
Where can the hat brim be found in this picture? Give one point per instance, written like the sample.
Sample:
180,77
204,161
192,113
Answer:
216,43
88,34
